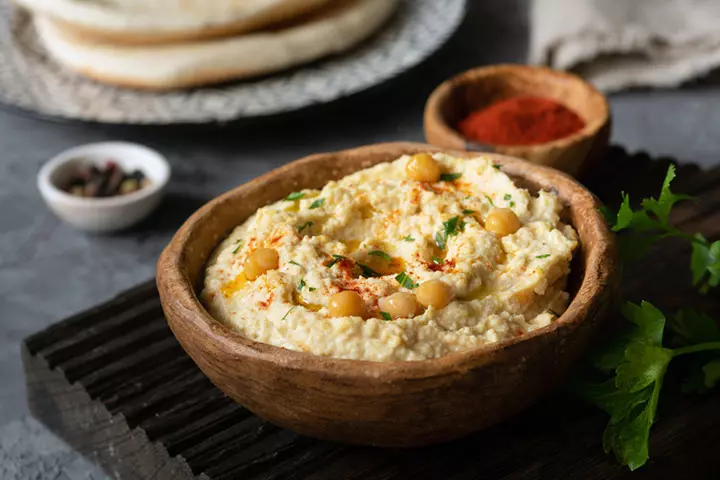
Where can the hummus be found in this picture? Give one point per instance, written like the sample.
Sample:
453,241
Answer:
329,240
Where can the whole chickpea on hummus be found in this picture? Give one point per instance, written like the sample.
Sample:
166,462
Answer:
408,260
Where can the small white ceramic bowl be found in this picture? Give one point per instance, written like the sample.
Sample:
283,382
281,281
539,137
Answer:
109,213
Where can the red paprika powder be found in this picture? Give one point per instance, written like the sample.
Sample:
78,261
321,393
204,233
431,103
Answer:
521,121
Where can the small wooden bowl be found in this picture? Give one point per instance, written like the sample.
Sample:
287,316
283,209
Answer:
454,99
383,403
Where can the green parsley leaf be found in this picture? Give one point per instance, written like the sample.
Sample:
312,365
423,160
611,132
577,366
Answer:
305,225
301,285
631,396
311,289
440,241
511,204
543,256
404,280
705,263
661,207
409,238
295,263
711,371
294,196
437,260
450,177
496,166
317,203
367,272
386,316
450,227
239,246
507,197
287,313
381,254
468,212
490,200
639,361
336,259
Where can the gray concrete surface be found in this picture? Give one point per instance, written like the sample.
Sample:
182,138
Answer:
49,271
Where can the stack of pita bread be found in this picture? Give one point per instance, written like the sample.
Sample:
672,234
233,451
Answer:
169,44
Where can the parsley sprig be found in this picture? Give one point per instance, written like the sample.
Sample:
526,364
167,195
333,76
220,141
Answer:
635,364
649,224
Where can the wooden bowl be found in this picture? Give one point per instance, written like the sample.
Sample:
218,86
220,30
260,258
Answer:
453,100
383,403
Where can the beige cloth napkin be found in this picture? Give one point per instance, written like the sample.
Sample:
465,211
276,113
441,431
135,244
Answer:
618,44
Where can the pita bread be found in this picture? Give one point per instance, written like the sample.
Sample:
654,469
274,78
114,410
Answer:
332,30
129,22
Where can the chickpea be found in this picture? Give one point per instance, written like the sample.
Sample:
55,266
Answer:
260,261
434,293
347,304
400,305
423,168
502,221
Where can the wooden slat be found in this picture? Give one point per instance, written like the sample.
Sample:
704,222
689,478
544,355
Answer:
115,384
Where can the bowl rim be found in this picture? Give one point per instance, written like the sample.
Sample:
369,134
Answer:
601,263
475,75
54,194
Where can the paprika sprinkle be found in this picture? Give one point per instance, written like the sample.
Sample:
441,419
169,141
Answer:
521,121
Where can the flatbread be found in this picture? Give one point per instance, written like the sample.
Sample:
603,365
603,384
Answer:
332,30
131,22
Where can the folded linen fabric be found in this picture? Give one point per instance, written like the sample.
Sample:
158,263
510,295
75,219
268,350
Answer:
618,44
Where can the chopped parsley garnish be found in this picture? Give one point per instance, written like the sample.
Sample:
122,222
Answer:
440,241
450,177
239,246
496,166
311,289
490,200
409,238
543,256
386,316
450,228
507,197
468,212
336,259
317,203
301,285
295,263
287,313
367,272
305,225
294,196
381,254
404,280
511,204
437,260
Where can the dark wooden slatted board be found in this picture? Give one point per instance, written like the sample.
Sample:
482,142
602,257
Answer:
116,385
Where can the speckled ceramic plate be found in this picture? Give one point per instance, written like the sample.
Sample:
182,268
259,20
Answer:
33,82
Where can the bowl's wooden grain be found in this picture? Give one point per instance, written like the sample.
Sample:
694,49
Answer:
394,403
454,99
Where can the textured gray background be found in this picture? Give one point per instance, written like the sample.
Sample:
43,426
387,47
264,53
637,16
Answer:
49,271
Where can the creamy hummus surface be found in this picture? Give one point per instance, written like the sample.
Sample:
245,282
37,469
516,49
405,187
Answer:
378,232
